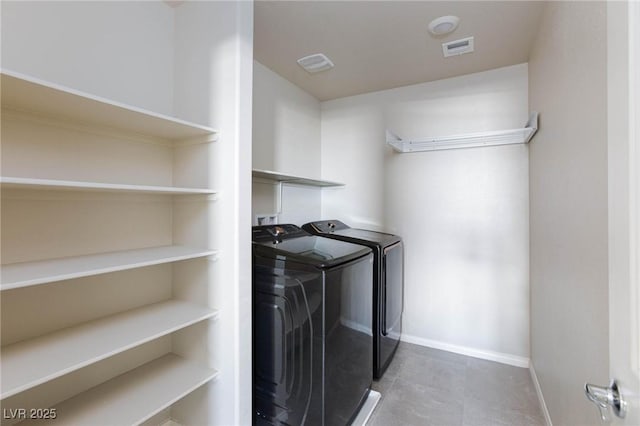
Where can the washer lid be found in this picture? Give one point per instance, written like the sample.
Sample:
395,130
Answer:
338,230
305,248
368,236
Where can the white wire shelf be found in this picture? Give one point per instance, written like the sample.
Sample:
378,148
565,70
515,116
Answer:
467,140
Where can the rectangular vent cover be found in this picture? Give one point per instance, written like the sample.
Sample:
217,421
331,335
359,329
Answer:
315,63
457,47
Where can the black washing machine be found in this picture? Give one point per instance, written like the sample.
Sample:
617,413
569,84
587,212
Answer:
312,336
388,284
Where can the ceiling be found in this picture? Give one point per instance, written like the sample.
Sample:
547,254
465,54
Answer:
377,45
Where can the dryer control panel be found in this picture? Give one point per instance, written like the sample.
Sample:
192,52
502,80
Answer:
326,226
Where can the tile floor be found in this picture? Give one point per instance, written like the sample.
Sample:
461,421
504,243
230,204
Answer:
425,386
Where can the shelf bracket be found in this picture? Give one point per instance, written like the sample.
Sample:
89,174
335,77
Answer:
197,140
280,196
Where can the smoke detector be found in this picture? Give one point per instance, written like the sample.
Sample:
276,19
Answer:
457,47
443,25
315,63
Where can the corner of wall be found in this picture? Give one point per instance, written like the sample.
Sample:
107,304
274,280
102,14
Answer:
568,216
536,385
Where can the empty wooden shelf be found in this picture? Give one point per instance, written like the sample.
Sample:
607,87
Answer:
68,185
36,97
35,361
135,396
25,274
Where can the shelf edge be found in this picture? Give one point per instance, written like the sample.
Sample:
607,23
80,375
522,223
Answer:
198,376
61,185
211,314
292,179
203,130
102,270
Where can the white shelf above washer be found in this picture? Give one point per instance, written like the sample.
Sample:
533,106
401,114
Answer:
24,274
287,178
35,361
134,397
468,140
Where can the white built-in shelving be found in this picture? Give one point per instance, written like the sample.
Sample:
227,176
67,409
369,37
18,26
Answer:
279,179
73,163
467,140
26,274
134,397
35,361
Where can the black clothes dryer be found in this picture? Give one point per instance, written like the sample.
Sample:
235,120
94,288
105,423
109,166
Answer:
312,337
388,284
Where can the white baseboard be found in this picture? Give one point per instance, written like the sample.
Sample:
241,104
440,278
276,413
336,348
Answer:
515,360
543,405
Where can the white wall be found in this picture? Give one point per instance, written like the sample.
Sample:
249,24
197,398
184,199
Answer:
568,189
214,63
286,139
463,214
623,122
353,152
286,123
89,46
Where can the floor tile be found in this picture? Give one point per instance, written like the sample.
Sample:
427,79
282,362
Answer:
425,386
431,398
477,413
384,384
400,413
499,385
448,377
410,349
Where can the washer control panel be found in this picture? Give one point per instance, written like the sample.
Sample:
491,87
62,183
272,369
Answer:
276,232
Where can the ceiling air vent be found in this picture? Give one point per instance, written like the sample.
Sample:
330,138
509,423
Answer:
457,47
315,63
